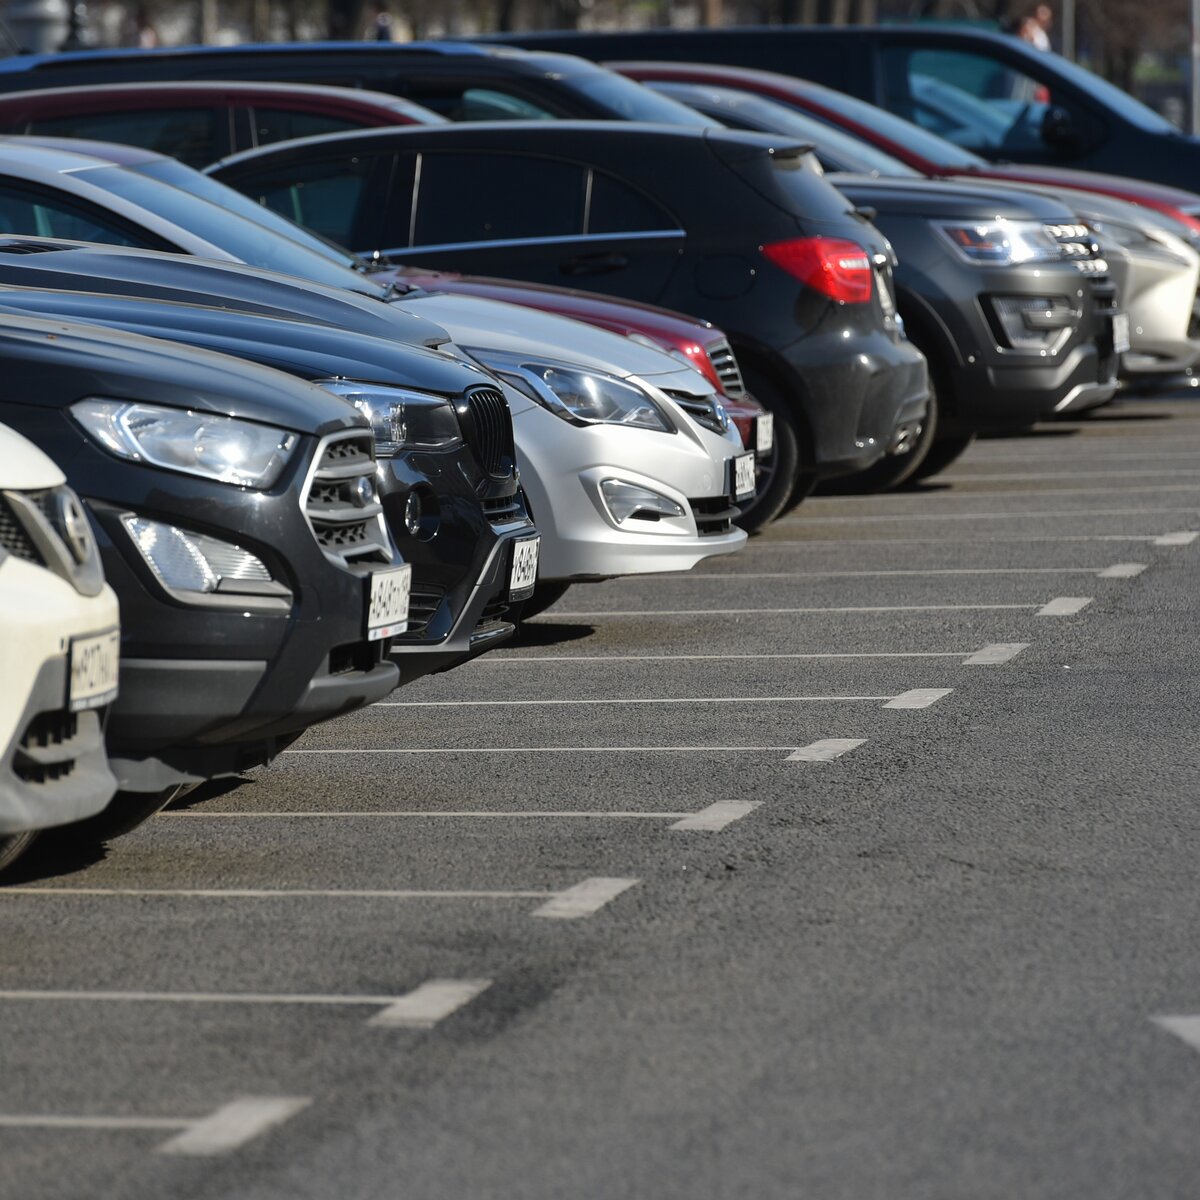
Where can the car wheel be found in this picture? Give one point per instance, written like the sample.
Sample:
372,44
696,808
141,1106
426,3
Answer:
544,595
941,454
779,484
125,811
12,846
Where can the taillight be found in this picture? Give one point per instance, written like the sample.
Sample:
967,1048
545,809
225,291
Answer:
837,268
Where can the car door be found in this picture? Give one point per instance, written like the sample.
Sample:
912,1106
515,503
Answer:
536,217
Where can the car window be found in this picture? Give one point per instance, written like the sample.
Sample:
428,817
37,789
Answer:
32,212
282,124
459,102
615,207
492,197
189,134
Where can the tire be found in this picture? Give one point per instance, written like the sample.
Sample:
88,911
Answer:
780,485
12,846
544,595
941,454
125,811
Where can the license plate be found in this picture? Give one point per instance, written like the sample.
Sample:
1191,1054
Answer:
1120,333
92,670
524,568
387,608
764,433
743,477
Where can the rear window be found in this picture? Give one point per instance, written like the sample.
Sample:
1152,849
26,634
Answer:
284,124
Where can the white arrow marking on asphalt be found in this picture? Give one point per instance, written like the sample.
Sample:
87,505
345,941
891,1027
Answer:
1184,537
918,698
1122,571
234,1124
717,816
432,1002
584,898
825,750
996,652
1064,606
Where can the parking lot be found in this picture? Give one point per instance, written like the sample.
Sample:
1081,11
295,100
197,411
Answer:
855,865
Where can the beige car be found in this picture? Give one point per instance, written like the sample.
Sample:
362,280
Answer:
59,652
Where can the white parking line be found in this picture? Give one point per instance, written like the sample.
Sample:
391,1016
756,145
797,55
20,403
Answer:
918,698
547,750
730,612
584,899
735,576
826,750
1021,478
1183,537
996,653
924,498
432,1002
1122,571
230,1127
433,814
1187,1029
717,816
1064,606
234,1124
631,700
870,518
493,660
422,1000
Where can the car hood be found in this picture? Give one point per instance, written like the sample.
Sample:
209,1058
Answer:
45,262
52,364
23,466
479,325
1137,191
956,201
310,351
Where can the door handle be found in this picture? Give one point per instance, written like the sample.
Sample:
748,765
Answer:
593,264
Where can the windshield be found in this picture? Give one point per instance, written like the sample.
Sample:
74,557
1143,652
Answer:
249,242
838,150
1112,97
631,101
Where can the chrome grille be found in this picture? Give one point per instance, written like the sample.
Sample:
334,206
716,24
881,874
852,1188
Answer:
341,502
488,431
705,410
13,537
725,363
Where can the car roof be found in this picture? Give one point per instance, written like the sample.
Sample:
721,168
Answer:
109,153
16,152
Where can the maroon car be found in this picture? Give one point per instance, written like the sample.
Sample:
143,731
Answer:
924,152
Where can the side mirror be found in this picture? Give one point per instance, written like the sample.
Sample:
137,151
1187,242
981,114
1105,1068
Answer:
1058,129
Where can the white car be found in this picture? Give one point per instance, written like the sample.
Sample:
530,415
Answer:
630,463
59,652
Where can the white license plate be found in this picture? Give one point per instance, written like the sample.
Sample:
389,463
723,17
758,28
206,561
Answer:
387,609
743,477
92,670
764,433
1120,333
524,568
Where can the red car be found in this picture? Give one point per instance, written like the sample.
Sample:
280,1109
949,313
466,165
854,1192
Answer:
912,145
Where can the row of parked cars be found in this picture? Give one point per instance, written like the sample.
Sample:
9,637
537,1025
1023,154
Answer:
252,384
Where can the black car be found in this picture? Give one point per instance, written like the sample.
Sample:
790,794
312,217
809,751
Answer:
989,92
1012,335
448,479
735,228
237,521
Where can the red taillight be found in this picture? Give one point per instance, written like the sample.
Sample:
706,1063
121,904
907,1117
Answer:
837,268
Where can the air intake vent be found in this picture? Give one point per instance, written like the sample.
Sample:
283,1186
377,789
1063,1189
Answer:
13,537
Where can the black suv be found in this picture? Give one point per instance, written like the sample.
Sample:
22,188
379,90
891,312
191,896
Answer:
736,228
237,520
449,482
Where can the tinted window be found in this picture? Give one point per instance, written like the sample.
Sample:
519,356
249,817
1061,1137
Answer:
189,134
490,197
29,211
628,101
459,102
617,208
281,125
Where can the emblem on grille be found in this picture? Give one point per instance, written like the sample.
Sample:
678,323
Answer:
74,527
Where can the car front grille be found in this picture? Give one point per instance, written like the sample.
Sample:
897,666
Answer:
714,515
725,363
341,502
492,618
703,410
13,537
487,427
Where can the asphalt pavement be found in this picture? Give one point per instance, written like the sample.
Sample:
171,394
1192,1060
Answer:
859,865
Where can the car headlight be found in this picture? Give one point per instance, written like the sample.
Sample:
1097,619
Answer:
226,449
578,395
402,420
1002,243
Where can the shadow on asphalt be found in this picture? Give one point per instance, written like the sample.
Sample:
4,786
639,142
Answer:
53,855
547,634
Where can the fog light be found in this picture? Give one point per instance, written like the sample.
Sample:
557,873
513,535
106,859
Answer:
413,513
1035,322
193,562
627,501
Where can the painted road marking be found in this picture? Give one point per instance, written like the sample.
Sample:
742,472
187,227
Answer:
611,701
869,518
826,750
234,1124
735,576
584,899
948,495
731,612
547,750
995,653
1187,1029
493,660
432,1002
1122,571
436,814
1156,539
918,698
717,816
1183,537
1064,606
1014,478
230,1127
